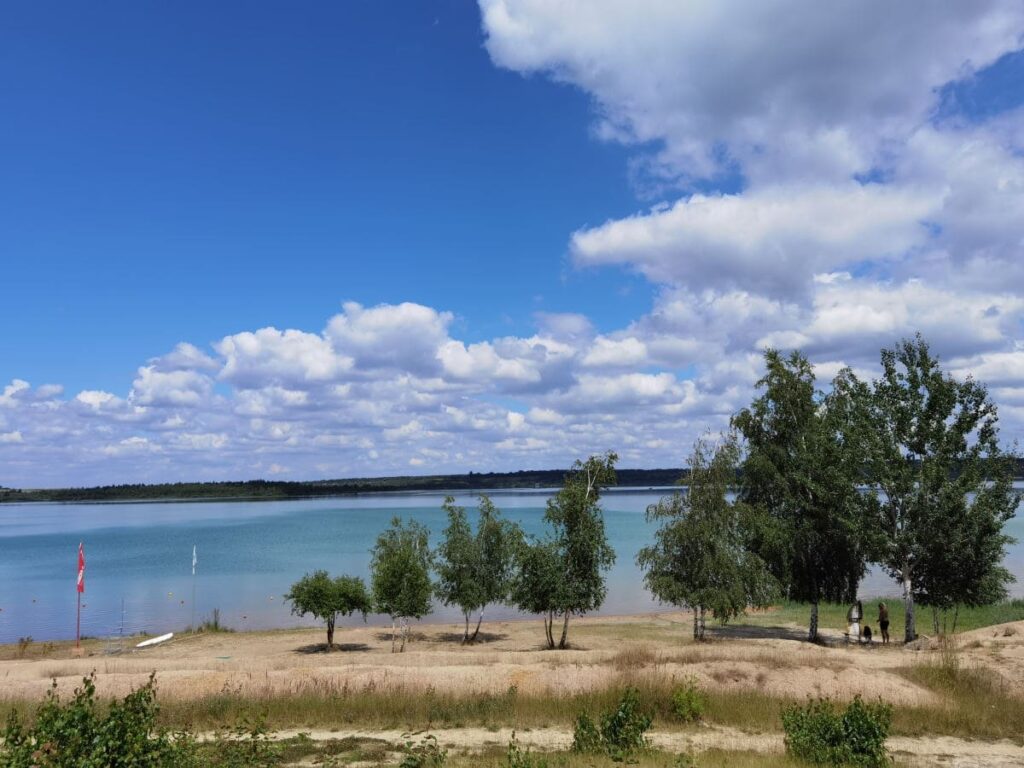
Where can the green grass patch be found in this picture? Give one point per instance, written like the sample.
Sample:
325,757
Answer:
833,616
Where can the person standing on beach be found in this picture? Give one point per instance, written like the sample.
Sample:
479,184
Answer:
853,617
883,622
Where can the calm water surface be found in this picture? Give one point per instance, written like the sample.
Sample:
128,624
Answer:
139,556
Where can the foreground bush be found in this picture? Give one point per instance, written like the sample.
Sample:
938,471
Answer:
77,734
621,732
822,735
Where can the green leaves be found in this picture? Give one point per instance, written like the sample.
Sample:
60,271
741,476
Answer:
944,484
700,556
475,570
564,573
324,598
400,570
800,474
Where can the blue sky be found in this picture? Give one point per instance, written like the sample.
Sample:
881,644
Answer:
554,237
186,172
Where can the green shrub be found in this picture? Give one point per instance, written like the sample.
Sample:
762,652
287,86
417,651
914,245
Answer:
78,734
246,745
689,703
516,757
426,754
621,732
820,734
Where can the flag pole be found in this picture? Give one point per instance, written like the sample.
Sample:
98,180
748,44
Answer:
80,588
193,589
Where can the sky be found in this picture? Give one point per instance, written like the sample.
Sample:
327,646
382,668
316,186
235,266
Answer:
245,240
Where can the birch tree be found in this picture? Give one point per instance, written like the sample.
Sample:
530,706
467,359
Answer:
944,484
800,478
400,575
699,559
474,569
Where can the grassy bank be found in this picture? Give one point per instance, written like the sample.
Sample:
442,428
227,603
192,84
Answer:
833,616
973,705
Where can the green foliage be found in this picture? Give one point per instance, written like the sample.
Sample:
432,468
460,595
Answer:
400,572
700,556
77,734
248,744
425,754
800,477
323,597
820,734
945,485
475,570
689,703
621,732
563,574
517,757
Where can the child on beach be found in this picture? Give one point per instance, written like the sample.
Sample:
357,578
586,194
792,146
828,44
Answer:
867,634
883,622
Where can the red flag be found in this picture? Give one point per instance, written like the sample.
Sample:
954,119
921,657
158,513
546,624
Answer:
81,568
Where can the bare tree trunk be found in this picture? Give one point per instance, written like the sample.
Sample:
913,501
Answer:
405,633
812,632
702,625
392,634
465,634
563,644
696,626
330,633
549,630
476,632
910,634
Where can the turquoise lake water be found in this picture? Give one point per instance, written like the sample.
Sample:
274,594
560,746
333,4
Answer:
140,556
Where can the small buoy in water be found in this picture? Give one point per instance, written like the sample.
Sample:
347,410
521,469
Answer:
182,602
170,594
245,617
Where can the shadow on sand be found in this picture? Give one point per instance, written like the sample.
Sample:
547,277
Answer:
483,637
754,632
338,647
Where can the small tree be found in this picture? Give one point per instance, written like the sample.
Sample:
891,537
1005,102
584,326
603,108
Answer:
537,583
475,570
400,574
945,486
568,568
700,559
324,598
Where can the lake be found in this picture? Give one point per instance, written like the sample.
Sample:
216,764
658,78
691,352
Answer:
139,558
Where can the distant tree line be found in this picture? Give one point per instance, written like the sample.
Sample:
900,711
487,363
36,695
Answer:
284,489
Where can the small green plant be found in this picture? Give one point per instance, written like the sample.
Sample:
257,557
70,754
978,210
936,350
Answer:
689,703
820,734
517,757
621,733
426,754
247,744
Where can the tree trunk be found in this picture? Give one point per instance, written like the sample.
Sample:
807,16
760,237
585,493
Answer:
476,632
405,633
696,626
935,620
702,625
330,633
563,643
812,632
392,634
465,634
549,630
910,634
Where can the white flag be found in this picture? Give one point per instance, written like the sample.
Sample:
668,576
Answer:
193,559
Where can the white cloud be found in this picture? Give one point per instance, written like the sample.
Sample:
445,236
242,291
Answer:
784,88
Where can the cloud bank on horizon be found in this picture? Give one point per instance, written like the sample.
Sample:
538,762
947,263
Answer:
819,184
